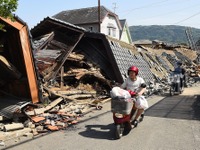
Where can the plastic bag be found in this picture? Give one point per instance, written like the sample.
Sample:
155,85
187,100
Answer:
141,103
120,93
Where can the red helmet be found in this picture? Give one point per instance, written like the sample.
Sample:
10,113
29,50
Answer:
133,68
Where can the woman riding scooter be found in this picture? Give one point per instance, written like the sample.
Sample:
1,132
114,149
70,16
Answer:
136,87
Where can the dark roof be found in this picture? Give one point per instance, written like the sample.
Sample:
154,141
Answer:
125,58
83,15
113,56
122,22
50,24
95,47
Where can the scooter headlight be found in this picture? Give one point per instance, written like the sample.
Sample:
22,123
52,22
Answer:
117,115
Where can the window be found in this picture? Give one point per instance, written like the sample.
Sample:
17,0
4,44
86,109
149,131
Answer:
90,28
109,31
114,32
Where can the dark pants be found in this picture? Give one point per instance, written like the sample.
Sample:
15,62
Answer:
182,80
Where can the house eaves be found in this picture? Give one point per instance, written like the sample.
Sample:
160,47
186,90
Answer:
54,24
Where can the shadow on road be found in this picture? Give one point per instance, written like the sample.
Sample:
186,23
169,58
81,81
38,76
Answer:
177,107
99,131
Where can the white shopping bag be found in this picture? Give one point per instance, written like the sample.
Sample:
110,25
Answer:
120,93
141,103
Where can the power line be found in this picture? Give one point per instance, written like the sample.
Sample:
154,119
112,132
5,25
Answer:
154,4
145,6
172,12
114,7
187,18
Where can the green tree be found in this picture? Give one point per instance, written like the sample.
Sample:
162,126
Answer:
7,7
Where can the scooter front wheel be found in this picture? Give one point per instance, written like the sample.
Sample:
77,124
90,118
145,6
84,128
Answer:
182,89
171,91
119,131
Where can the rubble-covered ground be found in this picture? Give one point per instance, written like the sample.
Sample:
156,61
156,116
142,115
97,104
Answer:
78,90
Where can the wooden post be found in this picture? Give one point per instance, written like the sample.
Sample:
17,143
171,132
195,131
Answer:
99,15
61,78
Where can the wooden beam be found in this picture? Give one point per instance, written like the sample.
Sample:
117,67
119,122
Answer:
14,24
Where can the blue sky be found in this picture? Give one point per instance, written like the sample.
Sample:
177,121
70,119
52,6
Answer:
137,12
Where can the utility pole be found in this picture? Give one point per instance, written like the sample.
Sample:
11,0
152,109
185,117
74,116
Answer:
191,42
190,38
99,15
114,7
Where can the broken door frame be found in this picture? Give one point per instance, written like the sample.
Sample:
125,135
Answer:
27,56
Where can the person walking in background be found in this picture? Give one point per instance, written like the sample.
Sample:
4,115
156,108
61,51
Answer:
180,70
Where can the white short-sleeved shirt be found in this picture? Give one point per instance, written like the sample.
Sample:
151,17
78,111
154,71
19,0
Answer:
132,85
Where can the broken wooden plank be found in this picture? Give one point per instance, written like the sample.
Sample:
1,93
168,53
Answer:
38,111
63,96
105,100
8,69
81,96
53,104
74,91
61,78
75,56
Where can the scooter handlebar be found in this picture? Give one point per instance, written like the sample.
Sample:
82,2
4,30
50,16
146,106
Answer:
132,93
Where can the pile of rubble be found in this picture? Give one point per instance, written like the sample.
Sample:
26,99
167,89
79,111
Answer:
66,99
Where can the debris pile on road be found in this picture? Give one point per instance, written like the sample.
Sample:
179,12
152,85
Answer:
66,99
194,71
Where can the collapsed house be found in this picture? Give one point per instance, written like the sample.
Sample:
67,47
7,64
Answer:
105,53
67,70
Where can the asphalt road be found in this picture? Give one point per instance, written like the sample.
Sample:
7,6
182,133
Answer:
171,123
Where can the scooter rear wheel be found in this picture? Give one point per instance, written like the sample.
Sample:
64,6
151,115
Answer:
119,131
